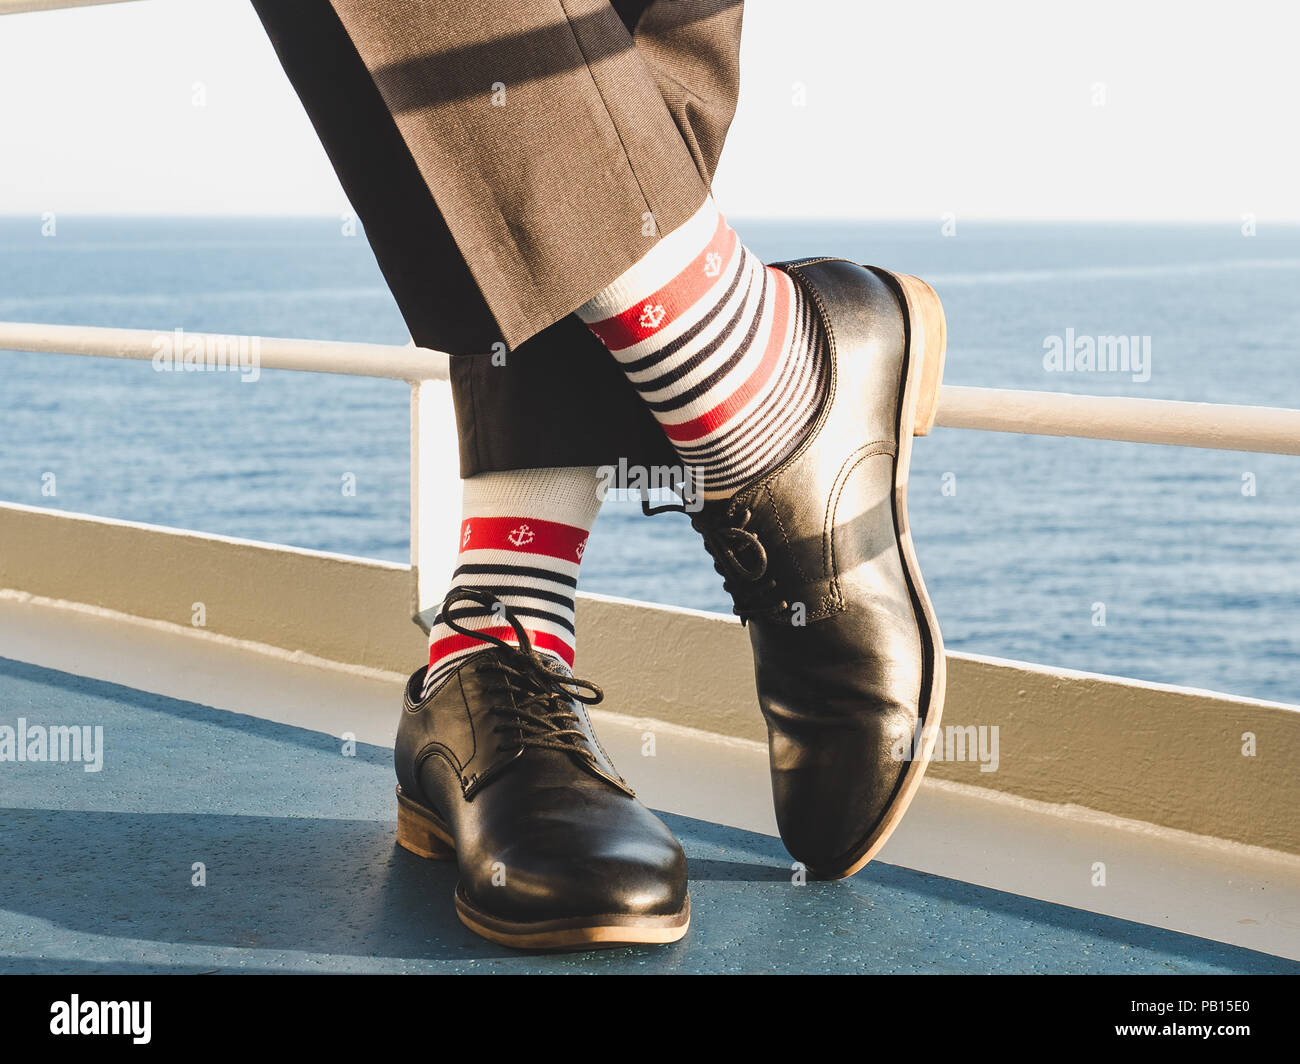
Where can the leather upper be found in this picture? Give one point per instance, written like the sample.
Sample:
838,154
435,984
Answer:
841,653
540,833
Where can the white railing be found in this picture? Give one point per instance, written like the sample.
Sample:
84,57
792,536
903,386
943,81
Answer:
409,363
1264,429
435,481
1210,425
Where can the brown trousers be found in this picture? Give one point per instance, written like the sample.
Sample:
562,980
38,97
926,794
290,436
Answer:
509,159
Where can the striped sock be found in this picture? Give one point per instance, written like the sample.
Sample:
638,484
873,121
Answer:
522,536
725,351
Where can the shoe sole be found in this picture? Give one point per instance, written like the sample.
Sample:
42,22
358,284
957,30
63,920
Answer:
421,832
927,340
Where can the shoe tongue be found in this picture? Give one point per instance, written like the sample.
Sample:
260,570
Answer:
549,659
556,663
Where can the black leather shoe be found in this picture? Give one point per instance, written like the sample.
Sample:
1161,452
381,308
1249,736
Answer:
819,562
499,767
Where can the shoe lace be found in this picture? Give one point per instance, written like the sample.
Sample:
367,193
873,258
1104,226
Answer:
541,692
739,557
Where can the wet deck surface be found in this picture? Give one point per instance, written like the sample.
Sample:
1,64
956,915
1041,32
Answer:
302,873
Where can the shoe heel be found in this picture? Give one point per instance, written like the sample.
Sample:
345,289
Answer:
419,834
928,342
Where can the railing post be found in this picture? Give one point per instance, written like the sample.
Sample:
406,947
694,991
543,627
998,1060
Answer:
435,495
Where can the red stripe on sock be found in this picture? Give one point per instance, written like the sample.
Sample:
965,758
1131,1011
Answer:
712,420
541,640
659,309
525,535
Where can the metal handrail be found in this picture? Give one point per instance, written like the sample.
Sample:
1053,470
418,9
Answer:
408,363
1261,429
1214,426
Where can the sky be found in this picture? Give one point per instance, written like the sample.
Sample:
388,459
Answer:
1133,110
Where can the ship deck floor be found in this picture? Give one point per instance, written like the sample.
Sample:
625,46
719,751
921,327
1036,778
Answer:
302,872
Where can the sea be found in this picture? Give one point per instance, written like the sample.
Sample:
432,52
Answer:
1168,564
